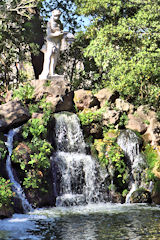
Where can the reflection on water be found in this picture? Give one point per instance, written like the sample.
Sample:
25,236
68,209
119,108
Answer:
94,222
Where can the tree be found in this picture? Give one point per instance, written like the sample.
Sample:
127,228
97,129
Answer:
125,44
14,43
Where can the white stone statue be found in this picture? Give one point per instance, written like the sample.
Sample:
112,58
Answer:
51,48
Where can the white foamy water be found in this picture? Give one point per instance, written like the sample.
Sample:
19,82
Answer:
16,187
75,174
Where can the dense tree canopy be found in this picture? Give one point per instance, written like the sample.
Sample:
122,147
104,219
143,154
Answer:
120,48
22,29
14,41
125,44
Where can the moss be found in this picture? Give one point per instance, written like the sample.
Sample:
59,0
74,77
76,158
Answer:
153,161
111,156
141,195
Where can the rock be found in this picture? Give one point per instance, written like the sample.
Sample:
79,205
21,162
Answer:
106,95
156,193
37,115
6,212
141,196
8,96
144,113
57,92
84,99
124,106
152,134
3,155
111,117
13,114
147,123
96,130
136,123
2,100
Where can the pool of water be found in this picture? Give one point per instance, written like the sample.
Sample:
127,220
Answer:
91,222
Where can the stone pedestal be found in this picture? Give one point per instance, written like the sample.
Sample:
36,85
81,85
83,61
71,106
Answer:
57,91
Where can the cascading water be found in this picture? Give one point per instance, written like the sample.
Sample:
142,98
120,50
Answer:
74,172
16,187
130,144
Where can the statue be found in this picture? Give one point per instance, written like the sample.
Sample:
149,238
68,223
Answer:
51,48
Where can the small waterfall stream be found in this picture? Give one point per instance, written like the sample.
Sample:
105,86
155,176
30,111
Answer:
74,172
16,187
130,144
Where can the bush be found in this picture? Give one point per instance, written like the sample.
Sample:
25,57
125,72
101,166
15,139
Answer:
6,193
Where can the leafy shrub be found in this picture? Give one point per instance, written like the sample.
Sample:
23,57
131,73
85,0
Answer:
151,158
123,120
33,155
6,193
88,117
111,155
24,92
3,150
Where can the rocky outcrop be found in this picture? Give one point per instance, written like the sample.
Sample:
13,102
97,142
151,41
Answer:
12,114
141,196
124,106
106,95
6,212
111,117
85,99
136,123
120,113
152,134
57,92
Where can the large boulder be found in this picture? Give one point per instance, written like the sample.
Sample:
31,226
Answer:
111,117
141,196
149,118
152,134
85,99
123,105
57,92
6,212
136,123
12,114
106,95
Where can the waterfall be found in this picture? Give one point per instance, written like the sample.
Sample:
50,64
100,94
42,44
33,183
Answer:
130,144
74,172
16,187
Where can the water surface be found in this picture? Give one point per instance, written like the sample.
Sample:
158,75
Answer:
91,222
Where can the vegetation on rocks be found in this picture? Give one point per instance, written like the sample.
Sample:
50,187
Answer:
6,194
111,156
125,46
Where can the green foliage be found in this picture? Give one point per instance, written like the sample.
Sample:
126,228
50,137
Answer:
3,150
123,120
87,117
124,193
124,43
111,156
35,127
6,193
34,157
151,158
14,39
24,92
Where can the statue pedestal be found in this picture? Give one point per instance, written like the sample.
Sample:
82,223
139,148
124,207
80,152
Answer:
56,91
56,77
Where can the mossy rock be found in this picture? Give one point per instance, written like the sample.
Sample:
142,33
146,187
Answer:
156,192
141,195
6,212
